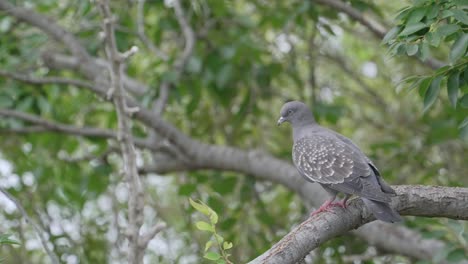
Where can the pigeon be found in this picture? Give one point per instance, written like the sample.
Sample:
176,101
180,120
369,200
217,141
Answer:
323,156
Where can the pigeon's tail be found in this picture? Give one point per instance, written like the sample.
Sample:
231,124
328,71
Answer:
382,211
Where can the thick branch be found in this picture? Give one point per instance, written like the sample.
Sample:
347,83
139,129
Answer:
412,200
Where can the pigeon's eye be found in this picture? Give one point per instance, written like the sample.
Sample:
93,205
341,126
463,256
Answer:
290,111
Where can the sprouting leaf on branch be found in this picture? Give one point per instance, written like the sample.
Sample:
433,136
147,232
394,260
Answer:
216,239
6,240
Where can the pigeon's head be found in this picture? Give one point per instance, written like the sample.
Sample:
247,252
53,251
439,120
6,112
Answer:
296,113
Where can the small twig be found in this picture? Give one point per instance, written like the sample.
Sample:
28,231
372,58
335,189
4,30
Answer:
49,80
146,238
43,125
341,63
181,61
90,156
36,228
142,35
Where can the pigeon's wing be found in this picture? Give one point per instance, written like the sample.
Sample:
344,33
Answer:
324,159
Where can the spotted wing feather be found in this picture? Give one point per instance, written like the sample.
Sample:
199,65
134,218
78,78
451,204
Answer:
324,159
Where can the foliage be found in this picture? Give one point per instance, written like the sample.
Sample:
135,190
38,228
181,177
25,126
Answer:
6,240
223,246
248,58
430,23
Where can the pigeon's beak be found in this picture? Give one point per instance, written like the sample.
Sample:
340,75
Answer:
281,120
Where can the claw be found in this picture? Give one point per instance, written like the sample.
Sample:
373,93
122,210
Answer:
328,206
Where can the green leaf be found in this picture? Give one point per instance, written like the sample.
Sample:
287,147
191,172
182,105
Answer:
212,256
424,85
416,15
25,105
410,29
228,52
194,65
5,239
44,105
414,80
402,13
411,49
224,75
5,24
433,12
204,226
208,245
460,15
227,245
424,51
328,28
219,238
391,34
459,48
432,93
170,76
213,217
6,101
452,88
456,255
433,38
464,123
448,29
202,208
464,101
187,189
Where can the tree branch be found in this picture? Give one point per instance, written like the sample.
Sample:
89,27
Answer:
48,26
223,158
265,167
43,125
92,70
82,60
142,35
135,188
50,80
343,65
53,258
181,61
52,126
411,200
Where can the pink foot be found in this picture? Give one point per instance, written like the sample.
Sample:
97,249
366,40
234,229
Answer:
341,204
326,207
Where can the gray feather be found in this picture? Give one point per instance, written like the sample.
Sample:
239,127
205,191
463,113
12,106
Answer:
326,157
382,211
